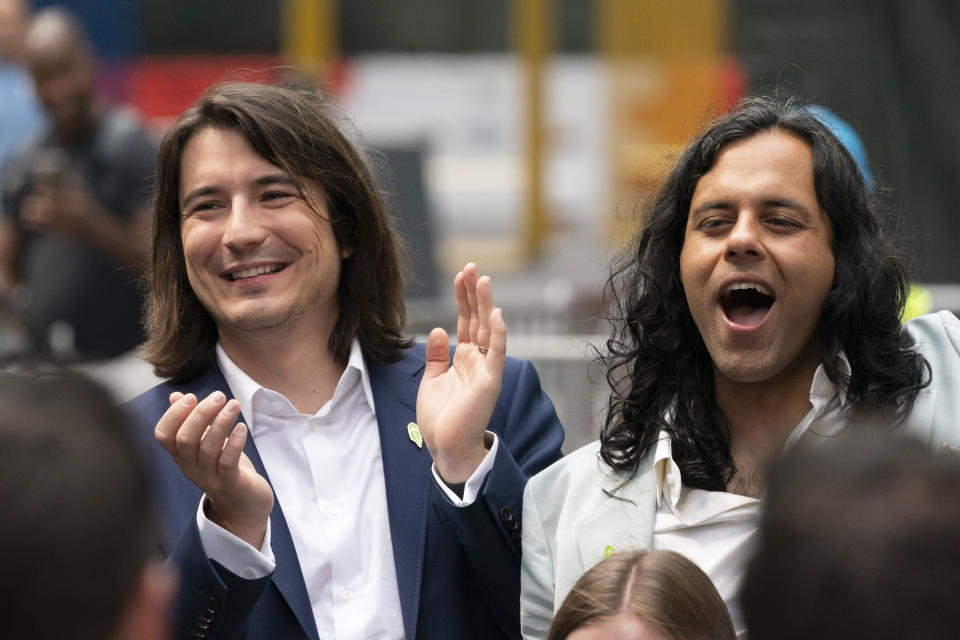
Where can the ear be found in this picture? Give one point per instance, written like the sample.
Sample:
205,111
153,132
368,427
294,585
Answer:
149,611
346,252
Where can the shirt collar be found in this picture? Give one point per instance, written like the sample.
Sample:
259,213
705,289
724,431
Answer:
822,390
667,472
244,387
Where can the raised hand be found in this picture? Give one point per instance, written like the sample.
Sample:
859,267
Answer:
196,437
455,401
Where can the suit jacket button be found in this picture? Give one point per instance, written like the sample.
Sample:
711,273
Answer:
506,516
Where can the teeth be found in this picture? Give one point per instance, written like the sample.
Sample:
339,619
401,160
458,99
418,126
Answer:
747,286
255,271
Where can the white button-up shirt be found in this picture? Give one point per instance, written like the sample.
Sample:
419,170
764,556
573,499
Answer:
327,474
716,529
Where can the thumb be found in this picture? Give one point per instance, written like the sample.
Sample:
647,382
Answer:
438,354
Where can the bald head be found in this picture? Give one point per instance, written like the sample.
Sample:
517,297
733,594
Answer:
59,57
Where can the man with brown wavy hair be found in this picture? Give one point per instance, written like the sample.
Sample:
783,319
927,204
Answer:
275,294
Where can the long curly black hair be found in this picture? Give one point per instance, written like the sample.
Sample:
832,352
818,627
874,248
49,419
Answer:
658,368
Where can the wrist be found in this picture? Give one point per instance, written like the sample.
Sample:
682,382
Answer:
250,528
456,467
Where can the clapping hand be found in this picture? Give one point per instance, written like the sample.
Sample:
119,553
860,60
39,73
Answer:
455,401
195,434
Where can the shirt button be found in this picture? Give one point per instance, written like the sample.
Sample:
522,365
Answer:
312,424
347,594
276,406
333,510
248,573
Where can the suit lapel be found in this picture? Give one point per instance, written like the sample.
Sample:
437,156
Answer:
287,576
406,469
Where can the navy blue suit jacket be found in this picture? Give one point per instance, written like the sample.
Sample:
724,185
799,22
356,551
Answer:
457,568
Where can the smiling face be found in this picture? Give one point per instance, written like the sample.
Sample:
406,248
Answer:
756,263
259,256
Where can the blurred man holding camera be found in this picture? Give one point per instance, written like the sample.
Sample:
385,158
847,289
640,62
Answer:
74,223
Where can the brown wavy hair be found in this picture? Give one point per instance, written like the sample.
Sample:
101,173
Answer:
296,130
662,588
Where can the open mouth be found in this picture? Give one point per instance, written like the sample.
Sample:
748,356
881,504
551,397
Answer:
253,272
746,304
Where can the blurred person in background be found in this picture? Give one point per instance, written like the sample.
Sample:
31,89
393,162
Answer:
20,112
20,116
859,538
759,305
276,298
643,595
75,222
78,533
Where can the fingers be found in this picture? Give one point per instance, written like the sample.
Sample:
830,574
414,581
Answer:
484,298
470,279
463,309
193,433
170,422
229,460
211,445
474,297
496,356
188,436
438,353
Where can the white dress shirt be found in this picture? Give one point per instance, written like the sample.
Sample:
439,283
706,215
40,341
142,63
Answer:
716,529
327,473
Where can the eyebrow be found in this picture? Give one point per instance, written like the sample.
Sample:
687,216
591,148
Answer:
262,181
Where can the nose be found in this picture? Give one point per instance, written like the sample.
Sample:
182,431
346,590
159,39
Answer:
745,238
244,228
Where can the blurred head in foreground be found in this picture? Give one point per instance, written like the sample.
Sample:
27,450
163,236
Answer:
872,525
643,595
78,528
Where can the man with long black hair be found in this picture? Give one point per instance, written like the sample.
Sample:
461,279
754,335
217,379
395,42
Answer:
758,305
